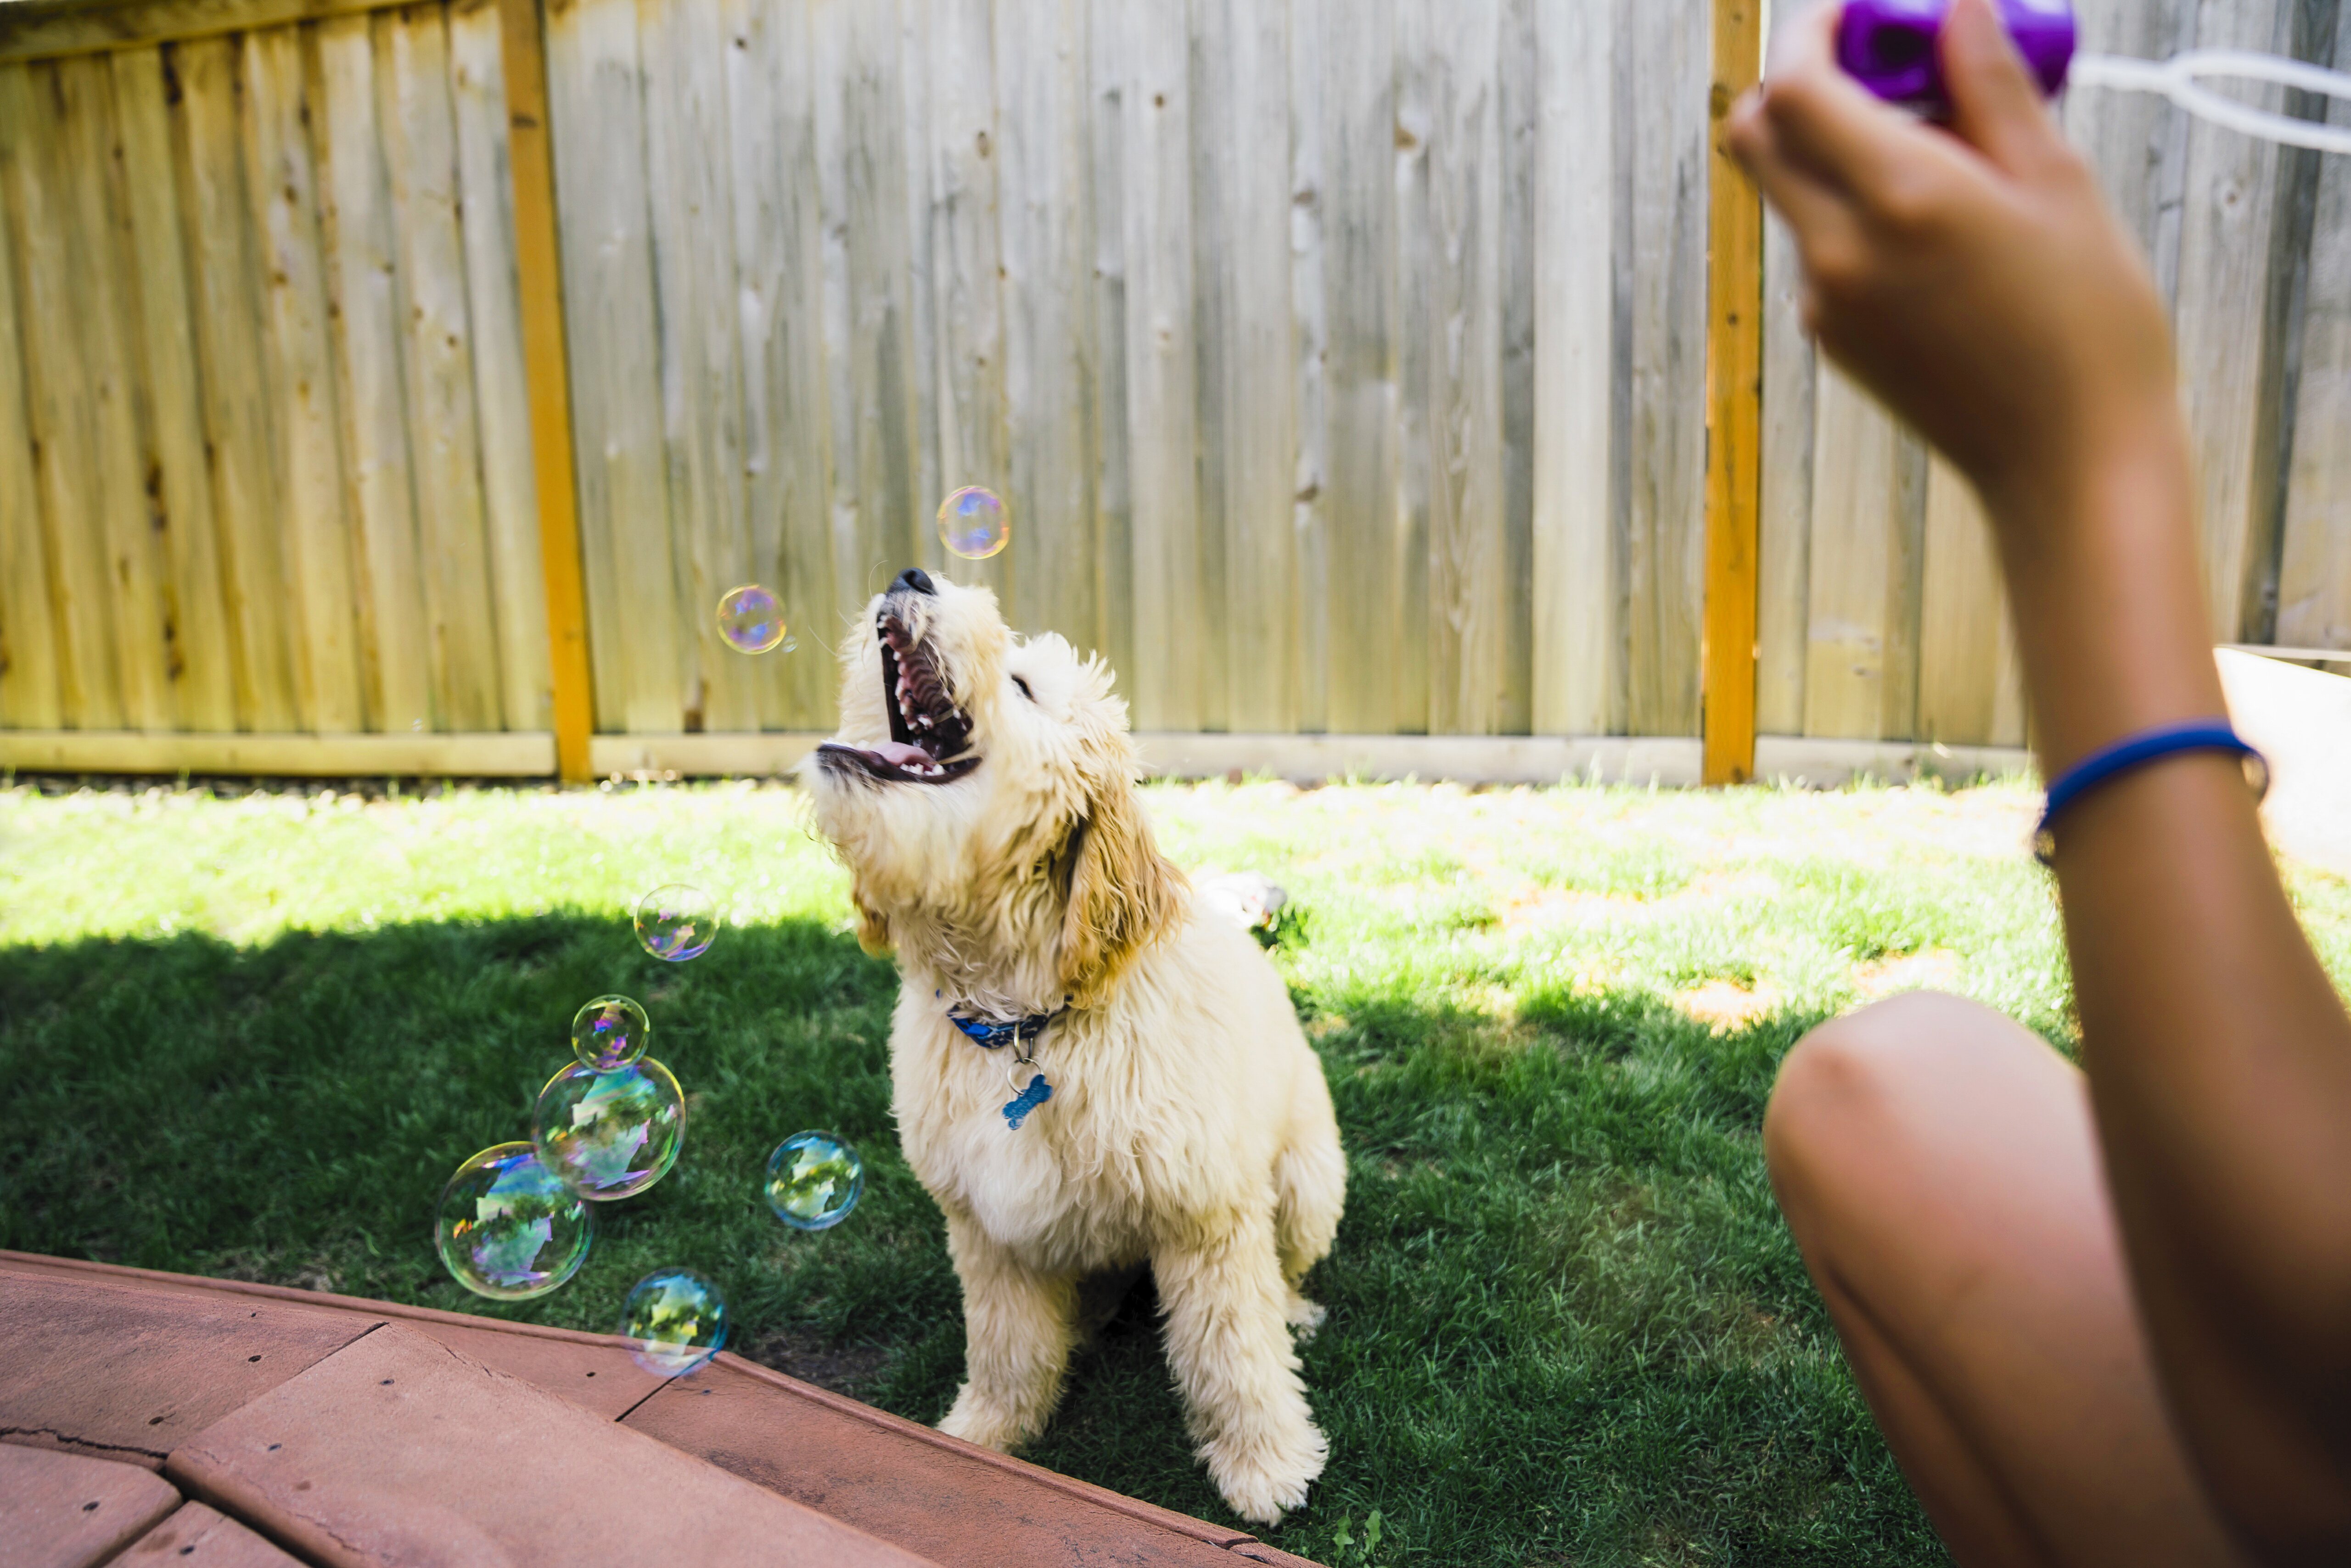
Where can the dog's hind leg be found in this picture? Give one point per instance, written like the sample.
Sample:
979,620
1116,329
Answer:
1019,1326
1310,1184
1244,1401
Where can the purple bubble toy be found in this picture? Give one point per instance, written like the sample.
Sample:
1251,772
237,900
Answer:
1890,46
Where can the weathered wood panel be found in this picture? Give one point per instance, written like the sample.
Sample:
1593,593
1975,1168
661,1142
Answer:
363,286
501,380
178,494
1247,424
239,427
1309,506
596,108
2231,355
2314,565
420,153
28,668
1971,689
1578,559
690,179
1169,678
310,485
1869,478
780,268
1662,113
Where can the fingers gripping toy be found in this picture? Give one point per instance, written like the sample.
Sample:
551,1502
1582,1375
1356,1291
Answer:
1893,48
1890,46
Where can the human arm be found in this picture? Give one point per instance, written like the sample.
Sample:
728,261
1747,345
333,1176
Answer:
1972,277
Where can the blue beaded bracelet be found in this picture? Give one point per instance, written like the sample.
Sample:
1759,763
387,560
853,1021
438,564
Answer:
2198,735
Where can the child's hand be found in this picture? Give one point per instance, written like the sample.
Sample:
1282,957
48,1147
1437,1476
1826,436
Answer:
1970,276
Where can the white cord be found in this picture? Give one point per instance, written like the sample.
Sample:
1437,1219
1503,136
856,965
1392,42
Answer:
2177,79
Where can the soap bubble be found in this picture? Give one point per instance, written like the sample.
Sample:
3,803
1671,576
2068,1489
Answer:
973,524
612,1132
814,1180
678,922
751,619
508,1228
674,1319
608,1032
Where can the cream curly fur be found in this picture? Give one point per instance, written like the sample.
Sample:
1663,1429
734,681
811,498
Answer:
1189,1126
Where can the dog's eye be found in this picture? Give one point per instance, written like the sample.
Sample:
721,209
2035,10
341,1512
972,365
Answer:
1024,688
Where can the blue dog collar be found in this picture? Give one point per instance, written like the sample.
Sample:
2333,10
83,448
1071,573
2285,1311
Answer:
992,1035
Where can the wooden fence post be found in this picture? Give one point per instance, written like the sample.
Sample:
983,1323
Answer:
539,267
1734,409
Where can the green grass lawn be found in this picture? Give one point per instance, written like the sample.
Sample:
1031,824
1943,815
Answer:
251,1038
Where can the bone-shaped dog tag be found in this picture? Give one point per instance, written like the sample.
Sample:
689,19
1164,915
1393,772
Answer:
1016,1110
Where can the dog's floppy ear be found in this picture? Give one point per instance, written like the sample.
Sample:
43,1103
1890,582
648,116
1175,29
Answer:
1122,893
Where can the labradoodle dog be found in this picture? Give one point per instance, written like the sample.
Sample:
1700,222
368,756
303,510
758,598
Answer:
1090,1070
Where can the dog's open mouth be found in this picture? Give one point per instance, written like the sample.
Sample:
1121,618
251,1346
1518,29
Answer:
928,732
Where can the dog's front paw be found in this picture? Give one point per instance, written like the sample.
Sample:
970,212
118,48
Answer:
1303,1317
977,1420
1268,1474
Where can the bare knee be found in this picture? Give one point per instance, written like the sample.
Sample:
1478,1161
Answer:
1841,1091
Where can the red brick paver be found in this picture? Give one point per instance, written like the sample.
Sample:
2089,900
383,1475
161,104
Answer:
66,1510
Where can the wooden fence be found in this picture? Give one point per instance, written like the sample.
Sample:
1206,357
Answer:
1344,362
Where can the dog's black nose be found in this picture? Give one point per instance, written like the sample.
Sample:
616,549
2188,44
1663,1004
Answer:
916,578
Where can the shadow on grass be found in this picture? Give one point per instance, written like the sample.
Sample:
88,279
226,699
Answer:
1566,1323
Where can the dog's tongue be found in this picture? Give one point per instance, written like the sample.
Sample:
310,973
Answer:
899,754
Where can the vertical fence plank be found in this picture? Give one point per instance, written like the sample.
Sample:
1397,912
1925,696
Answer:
501,378
779,257
28,653
1359,378
1665,103
179,492
1045,219
690,179
869,325
1785,518
1240,127
2135,140
1734,380
1165,679
1404,658
1520,105
1309,506
147,659
2315,563
1113,489
239,433
37,132
1861,679
284,188
2230,372
1579,673
421,147
953,142
1468,542
1971,689
598,124
364,290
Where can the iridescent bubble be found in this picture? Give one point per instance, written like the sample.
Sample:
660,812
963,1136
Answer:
674,1319
974,524
608,1032
610,1133
814,1180
751,619
508,1228
678,922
